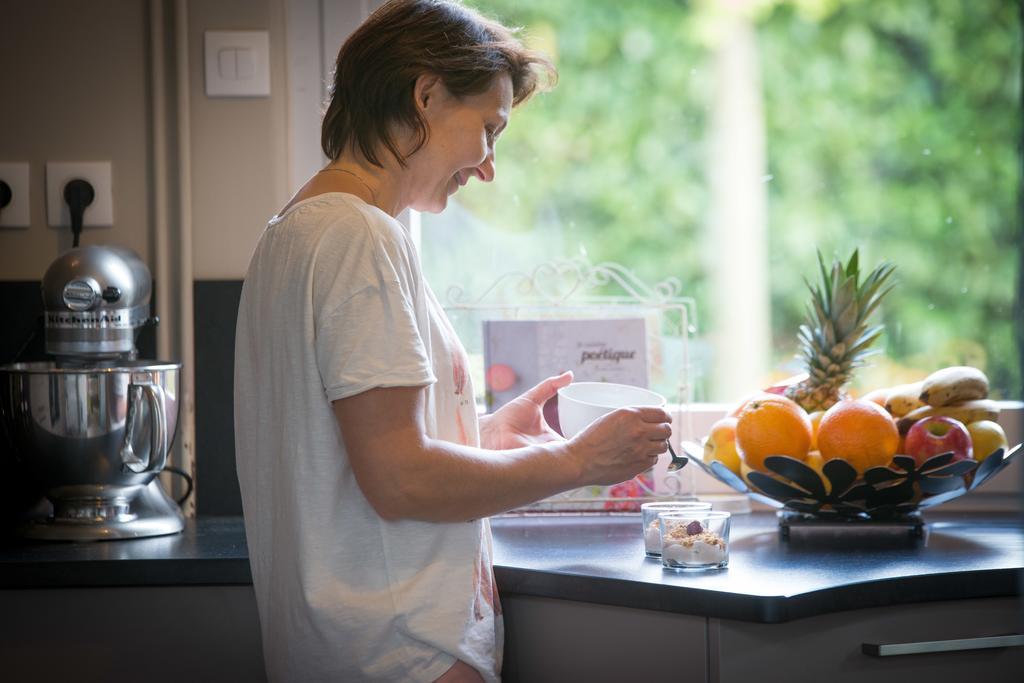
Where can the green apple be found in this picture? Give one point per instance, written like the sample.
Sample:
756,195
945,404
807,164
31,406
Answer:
721,444
986,437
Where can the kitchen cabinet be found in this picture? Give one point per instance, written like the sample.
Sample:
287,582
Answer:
161,609
784,610
581,602
829,647
155,634
550,640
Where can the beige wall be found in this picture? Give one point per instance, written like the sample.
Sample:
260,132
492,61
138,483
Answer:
239,153
73,86
76,86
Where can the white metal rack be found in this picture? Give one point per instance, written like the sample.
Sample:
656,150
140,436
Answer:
577,289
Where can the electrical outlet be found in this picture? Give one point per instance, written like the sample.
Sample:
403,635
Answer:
15,214
98,173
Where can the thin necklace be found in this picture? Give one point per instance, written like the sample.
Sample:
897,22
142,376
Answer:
373,195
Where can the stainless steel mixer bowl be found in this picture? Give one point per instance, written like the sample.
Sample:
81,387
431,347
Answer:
93,437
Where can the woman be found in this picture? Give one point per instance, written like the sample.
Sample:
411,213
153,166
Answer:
365,477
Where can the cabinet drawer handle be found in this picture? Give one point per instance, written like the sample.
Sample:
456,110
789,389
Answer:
924,647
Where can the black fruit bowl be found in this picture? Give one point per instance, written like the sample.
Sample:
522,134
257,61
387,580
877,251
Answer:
882,494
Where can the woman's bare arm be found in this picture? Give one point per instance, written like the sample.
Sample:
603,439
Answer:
406,475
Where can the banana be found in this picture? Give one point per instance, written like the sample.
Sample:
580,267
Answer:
878,396
904,398
954,385
966,412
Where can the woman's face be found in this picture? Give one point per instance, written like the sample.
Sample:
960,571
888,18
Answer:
462,135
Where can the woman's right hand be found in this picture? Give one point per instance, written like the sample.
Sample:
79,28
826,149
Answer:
621,444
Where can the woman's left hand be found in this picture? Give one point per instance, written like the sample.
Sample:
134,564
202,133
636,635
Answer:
520,422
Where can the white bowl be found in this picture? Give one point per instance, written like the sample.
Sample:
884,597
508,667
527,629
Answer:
581,403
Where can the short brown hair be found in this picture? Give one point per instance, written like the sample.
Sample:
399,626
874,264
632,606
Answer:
378,65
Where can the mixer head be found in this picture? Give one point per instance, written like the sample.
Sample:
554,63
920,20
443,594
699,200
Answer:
95,299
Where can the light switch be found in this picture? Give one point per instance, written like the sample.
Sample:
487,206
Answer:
227,63
245,63
237,63
15,214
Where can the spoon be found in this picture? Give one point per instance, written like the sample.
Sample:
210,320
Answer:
678,462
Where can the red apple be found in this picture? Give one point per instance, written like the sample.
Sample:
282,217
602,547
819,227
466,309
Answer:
930,436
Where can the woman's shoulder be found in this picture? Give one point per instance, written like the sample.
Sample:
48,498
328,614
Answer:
342,229
319,208
339,217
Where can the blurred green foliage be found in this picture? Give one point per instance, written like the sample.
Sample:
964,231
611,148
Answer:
894,127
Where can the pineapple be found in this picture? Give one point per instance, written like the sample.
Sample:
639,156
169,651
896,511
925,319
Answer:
836,337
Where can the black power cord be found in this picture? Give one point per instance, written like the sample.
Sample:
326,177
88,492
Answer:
78,194
188,481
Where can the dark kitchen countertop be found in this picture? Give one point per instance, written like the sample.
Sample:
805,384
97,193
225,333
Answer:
210,551
600,559
817,571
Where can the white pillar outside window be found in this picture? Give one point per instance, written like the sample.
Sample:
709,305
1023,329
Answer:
738,220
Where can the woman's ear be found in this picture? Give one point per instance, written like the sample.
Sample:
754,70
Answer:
427,90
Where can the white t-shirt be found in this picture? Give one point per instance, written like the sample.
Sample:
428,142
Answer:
334,303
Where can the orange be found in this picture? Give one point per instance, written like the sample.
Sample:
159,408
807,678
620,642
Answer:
738,408
860,432
772,425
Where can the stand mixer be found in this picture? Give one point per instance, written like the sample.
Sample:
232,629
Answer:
94,425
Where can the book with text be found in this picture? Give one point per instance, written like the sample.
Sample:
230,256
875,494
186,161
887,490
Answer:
520,353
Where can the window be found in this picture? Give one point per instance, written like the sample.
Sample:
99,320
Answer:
723,143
